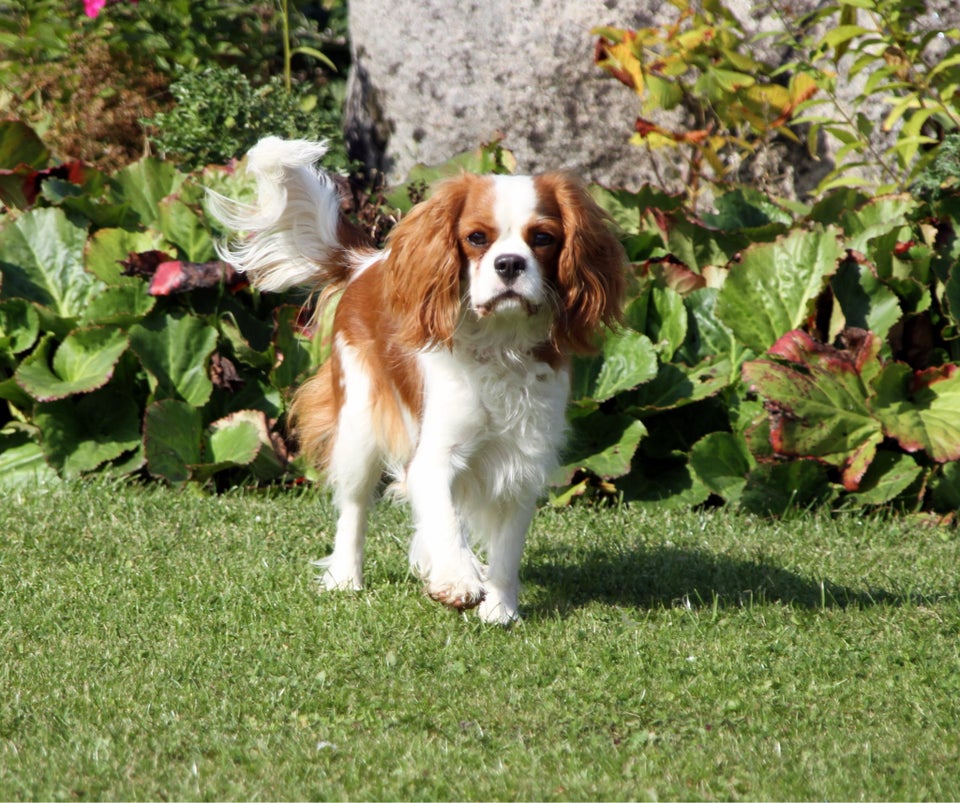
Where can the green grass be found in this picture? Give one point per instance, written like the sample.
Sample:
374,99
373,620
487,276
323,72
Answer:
164,645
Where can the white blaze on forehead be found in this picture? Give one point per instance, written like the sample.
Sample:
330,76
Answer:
514,205
511,209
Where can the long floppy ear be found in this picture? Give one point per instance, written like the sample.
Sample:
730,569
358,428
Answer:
424,265
590,273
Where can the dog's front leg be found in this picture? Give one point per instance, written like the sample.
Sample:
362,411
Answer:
440,552
505,538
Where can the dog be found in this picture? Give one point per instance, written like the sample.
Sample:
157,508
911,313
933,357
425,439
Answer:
450,363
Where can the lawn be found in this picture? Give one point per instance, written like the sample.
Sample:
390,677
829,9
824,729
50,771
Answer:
170,645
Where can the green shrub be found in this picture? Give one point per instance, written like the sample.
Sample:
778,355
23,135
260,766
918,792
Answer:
219,115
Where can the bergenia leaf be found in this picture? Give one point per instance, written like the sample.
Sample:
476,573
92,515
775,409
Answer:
22,463
773,288
602,444
144,184
921,410
108,249
722,462
175,350
172,433
628,360
19,326
41,259
818,399
889,475
84,361
80,434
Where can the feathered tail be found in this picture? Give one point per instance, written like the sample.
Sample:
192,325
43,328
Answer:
291,236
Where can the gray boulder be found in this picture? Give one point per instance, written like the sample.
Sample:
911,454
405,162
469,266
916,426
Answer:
433,78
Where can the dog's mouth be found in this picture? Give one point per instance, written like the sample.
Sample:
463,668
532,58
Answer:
507,300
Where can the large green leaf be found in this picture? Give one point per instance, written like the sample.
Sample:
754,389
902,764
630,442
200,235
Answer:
722,462
292,356
144,184
627,208
79,435
628,359
241,439
677,385
107,248
889,475
819,400
182,226
921,410
84,361
232,442
19,145
774,488
22,464
697,246
876,219
175,350
866,302
602,444
41,258
172,438
121,305
707,336
664,485
773,288
664,321
747,209
19,327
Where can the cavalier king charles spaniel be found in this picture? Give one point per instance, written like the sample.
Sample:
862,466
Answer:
450,354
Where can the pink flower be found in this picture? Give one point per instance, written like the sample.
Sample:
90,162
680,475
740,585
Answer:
92,7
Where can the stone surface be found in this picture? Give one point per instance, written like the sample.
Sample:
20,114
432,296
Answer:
434,78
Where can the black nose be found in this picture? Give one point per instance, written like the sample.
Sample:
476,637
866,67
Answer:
509,266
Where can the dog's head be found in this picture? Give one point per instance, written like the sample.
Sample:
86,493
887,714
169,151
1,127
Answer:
506,250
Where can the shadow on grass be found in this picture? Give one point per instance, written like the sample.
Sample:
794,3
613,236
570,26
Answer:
670,576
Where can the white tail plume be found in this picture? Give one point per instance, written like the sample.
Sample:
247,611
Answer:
289,237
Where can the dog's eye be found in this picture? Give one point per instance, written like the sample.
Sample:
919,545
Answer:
477,238
542,239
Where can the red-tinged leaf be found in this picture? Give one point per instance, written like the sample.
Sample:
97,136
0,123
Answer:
143,263
817,397
20,186
921,409
168,278
858,463
860,352
675,274
180,277
83,362
891,474
645,128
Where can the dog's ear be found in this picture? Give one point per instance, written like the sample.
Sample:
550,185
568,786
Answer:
590,271
424,266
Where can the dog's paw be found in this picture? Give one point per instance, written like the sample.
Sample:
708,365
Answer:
496,611
458,596
332,576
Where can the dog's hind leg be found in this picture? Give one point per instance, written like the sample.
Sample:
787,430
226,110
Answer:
354,468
